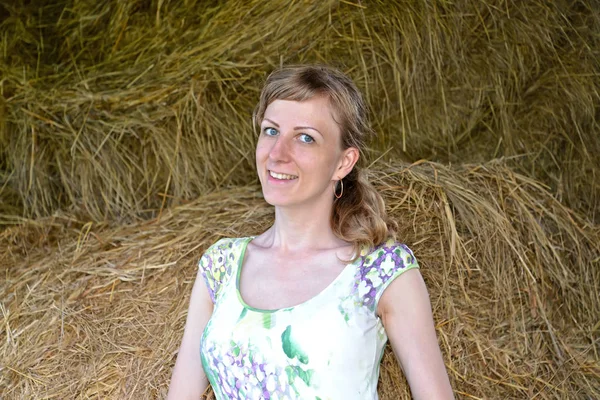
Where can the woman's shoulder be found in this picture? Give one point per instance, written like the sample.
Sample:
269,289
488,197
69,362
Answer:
389,247
219,263
388,258
379,267
227,243
222,250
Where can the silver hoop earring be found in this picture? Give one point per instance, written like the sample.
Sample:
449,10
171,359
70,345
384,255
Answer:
335,191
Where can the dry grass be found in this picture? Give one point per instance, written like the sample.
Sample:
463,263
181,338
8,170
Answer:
116,109
96,311
116,115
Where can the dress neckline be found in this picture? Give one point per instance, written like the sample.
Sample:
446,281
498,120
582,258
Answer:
320,294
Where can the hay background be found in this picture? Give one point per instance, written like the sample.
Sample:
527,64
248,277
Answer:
126,149
145,98
96,311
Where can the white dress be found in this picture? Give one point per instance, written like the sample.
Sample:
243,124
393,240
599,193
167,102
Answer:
329,347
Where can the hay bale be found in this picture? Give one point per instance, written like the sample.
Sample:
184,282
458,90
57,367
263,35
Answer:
97,310
120,108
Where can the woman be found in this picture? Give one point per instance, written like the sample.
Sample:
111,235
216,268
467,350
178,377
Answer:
303,311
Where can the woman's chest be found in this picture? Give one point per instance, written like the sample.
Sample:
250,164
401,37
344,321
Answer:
271,284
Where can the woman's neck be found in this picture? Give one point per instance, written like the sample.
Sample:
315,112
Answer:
301,229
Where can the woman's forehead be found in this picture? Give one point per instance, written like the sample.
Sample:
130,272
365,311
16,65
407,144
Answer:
316,109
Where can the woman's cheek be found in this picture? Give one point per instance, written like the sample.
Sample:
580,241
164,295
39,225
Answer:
261,148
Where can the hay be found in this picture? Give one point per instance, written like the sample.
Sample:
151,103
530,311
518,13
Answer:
117,109
97,310
114,115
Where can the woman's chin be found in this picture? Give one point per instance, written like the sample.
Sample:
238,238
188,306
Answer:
279,199
276,201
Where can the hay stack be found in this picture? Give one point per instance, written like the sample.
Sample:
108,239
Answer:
120,108
97,311
126,149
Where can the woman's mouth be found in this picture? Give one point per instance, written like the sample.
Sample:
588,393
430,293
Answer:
281,177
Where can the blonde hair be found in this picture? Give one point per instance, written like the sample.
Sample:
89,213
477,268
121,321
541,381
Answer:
359,216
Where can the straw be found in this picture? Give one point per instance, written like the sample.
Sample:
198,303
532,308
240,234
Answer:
95,310
119,109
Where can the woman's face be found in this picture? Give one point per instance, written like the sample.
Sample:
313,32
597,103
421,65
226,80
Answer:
299,154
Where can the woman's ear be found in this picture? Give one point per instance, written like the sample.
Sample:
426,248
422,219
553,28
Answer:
349,158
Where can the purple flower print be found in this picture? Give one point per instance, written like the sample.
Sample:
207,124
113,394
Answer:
237,372
216,266
378,268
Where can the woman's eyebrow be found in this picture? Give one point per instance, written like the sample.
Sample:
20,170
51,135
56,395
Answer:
297,128
307,127
271,121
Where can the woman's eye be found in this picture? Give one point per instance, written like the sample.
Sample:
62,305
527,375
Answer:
306,138
270,131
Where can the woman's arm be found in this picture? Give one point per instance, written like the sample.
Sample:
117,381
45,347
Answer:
189,380
405,310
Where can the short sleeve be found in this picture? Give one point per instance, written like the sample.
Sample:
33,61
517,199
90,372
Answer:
215,267
380,268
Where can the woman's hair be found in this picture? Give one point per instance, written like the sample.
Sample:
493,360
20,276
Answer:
359,216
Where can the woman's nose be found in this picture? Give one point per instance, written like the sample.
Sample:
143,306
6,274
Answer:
280,150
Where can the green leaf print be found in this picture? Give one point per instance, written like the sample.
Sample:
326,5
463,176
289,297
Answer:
304,375
267,321
242,314
235,348
344,312
294,371
289,371
291,348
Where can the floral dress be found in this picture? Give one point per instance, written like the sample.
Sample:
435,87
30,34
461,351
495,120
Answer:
328,347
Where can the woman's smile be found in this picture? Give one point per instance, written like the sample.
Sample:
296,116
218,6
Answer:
278,179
